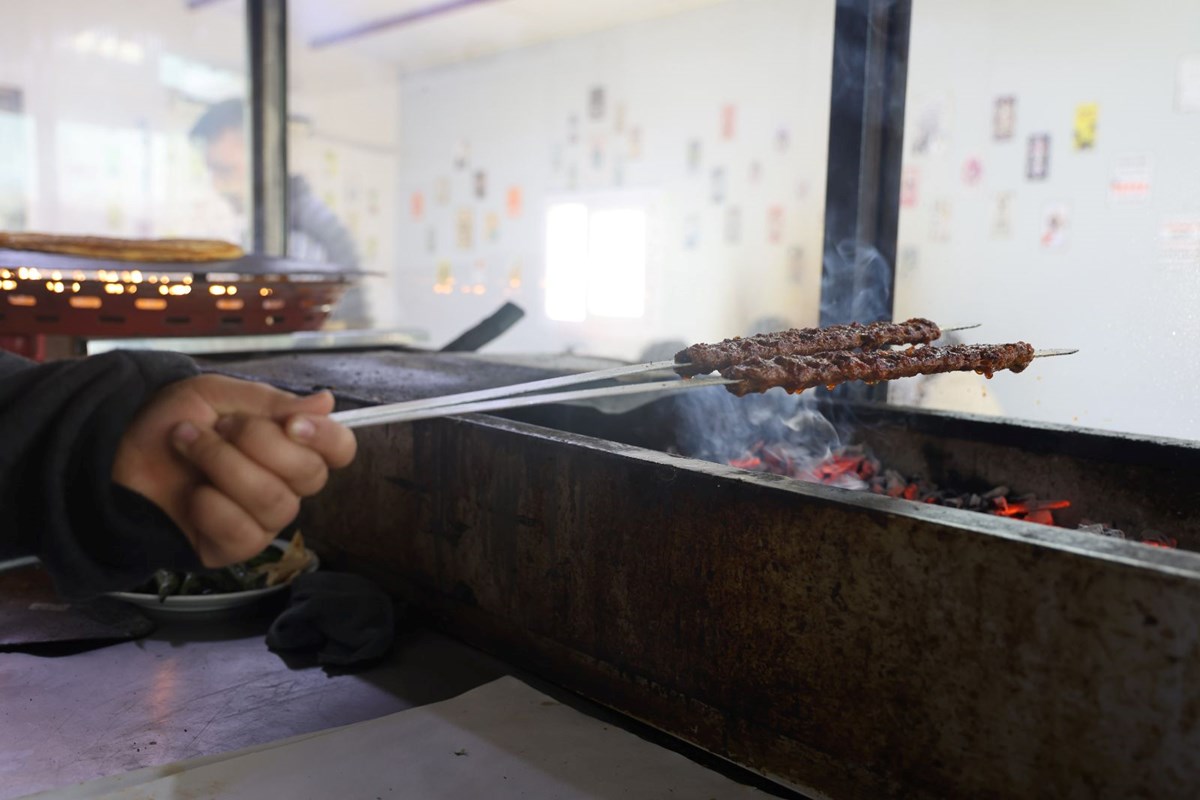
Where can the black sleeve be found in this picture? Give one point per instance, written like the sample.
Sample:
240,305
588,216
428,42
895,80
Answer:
59,428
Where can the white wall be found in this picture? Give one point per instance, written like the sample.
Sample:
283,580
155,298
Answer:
771,59
1115,288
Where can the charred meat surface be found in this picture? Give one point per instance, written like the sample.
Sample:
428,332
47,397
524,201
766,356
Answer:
701,358
797,373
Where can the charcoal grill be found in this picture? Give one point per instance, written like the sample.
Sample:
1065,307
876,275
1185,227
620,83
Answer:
844,643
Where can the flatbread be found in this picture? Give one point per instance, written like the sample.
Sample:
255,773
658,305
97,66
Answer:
154,250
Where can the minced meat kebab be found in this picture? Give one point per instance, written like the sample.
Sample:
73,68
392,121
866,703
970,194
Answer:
702,358
795,373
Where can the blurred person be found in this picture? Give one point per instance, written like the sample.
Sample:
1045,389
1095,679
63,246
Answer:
314,232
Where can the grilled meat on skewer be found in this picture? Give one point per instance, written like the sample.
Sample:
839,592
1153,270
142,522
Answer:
797,373
701,358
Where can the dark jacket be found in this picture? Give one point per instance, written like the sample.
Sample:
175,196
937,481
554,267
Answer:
59,428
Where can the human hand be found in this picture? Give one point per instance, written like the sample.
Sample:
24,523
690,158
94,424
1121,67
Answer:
229,460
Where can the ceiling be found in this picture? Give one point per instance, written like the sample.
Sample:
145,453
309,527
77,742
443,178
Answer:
468,31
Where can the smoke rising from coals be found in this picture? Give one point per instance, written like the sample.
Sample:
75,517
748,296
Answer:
717,426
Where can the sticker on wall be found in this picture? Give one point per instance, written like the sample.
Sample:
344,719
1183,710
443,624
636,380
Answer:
1086,117
618,174
775,224
635,143
513,202
491,225
939,230
1004,118
691,231
693,155
417,205
931,126
803,189
515,273
1187,84
783,140
795,264
596,103
1179,242
462,154
443,278
466,229
1130,181
480,185
972,171
1002,215
431,240
755,174
372,247
910,184
442,190
478,277
597,152
1056,226
728,121
718,185
733,225
1037,157
908,260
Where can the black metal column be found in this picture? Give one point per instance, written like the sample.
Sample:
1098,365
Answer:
266,26
866,131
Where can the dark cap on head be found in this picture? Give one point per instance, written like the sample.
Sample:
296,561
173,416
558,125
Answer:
219,118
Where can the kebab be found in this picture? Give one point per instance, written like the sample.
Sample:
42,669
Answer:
795,373
703,358
795,360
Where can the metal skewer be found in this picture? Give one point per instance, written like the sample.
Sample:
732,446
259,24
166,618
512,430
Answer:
1049,353
405,412
504,391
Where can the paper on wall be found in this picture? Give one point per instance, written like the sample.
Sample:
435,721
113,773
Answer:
1130,181
1056,226
1179,241
1086,117
1187,83
1004,118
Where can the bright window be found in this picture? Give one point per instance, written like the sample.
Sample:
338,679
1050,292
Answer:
595,262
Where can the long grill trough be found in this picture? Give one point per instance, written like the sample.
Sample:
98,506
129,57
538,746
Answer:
840,640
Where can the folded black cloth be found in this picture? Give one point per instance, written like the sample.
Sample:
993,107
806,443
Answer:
345,619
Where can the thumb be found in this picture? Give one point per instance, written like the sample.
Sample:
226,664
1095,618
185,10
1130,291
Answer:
320,404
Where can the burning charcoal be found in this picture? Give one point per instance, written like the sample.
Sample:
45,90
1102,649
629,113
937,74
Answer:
1156,539
953,502
998,492
974,502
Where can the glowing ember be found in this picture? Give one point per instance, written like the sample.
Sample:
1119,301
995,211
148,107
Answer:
854,468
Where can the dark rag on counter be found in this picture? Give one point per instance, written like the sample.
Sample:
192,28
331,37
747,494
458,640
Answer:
345,619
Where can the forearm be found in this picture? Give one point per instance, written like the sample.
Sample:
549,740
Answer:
59,428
